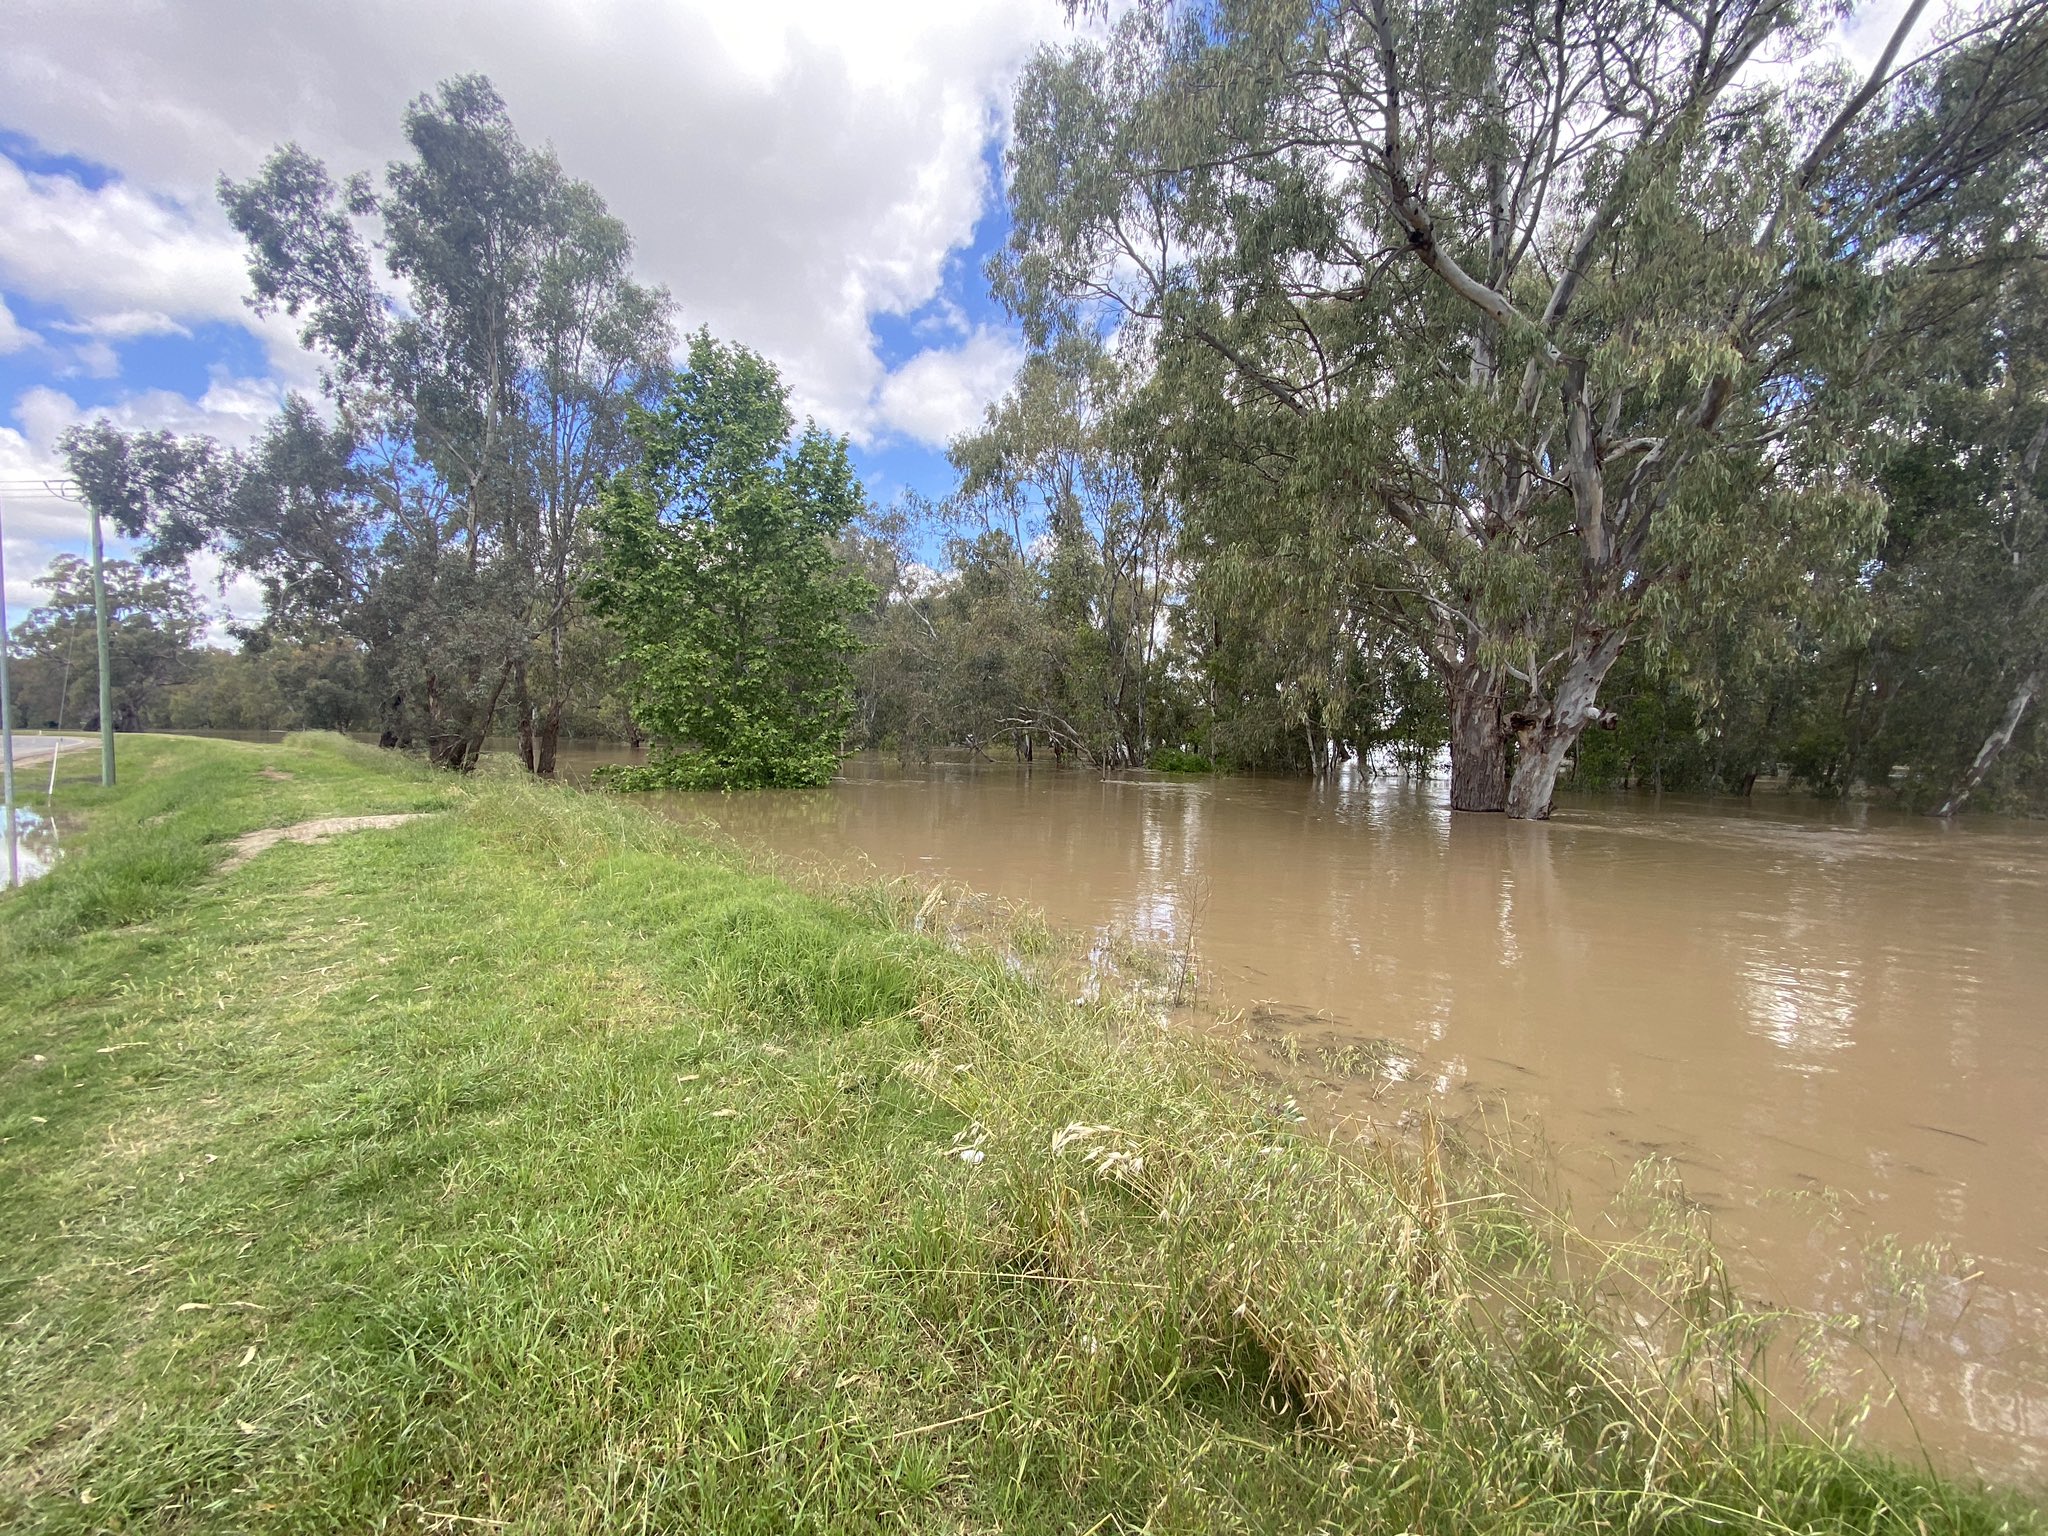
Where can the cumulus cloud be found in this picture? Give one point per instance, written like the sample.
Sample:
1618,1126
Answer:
124,263
940,393
41,523
233,410
791,168
14,336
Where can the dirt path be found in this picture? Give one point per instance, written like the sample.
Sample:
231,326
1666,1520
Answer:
249,844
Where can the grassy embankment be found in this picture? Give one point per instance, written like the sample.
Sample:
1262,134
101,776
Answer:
530,1168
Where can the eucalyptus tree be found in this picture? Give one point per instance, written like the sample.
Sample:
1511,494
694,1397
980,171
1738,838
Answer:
477,398
1961,652
156,624
1959,655
1053,467
2003,559
1520,326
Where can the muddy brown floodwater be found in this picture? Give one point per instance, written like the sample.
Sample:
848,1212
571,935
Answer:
1833,1020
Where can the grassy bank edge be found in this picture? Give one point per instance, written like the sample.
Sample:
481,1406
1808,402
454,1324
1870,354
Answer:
587,1178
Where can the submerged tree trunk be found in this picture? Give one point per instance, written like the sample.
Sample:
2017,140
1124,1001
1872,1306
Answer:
1479,743
1546,733
1999,739
550,740
458,746
523,705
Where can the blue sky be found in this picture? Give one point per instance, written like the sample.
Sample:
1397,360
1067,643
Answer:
817,181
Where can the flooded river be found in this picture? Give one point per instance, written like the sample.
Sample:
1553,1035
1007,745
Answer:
1834,1021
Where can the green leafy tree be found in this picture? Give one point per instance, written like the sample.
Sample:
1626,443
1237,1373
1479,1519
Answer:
717,566
156,626
1524,328
1946,686
1054,469
272,685
436,512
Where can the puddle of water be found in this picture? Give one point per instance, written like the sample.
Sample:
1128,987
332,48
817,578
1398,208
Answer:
1829,1018
36,848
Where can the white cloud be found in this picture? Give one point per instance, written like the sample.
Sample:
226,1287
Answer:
791,168
39,525
95,359
229,595
939,394
122,262
42,525
232,410
14,336
1863,34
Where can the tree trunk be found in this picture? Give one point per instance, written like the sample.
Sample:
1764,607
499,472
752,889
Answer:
394,734
550,740
522,706
460,748
1479,743
551,722
1547,733
1999,739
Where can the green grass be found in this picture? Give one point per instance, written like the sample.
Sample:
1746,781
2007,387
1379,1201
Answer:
529,1167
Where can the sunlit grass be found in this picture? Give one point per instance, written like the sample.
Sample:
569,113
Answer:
534,1167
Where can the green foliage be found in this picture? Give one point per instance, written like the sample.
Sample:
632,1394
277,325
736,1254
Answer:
479,393
156,627
715,564
1046,633
687,770
1439,361
272,685
1960,588
1175,760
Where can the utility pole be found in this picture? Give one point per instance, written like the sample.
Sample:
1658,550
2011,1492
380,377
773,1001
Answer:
99,615
7,721
70,490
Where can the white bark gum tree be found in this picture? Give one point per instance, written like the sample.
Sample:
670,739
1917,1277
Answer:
499,392
2030,684
1994,744
1543,294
